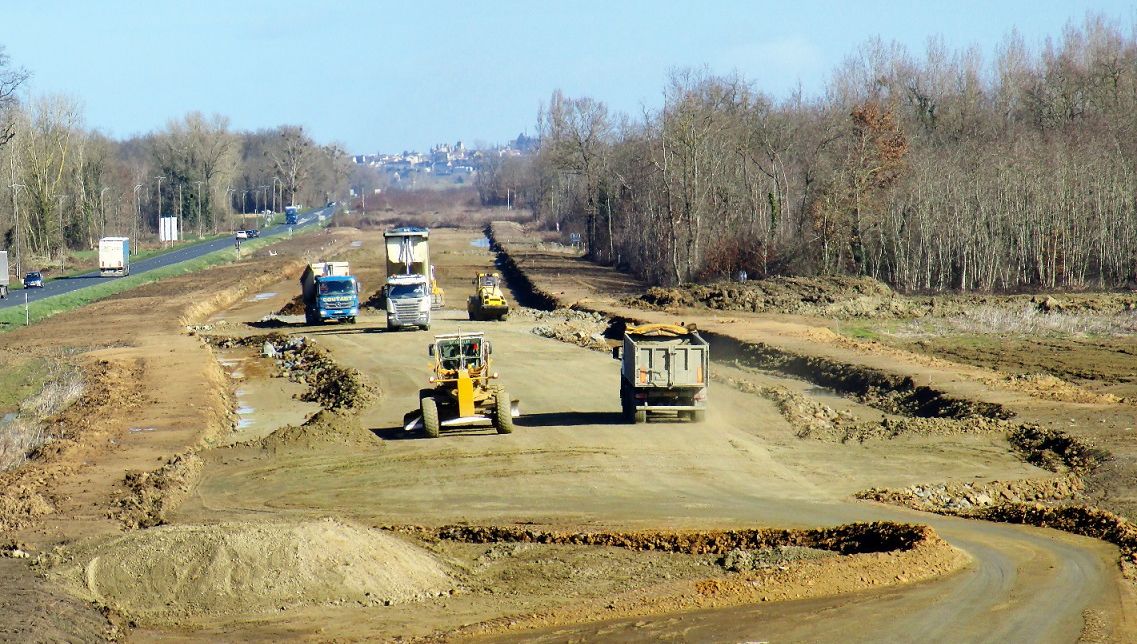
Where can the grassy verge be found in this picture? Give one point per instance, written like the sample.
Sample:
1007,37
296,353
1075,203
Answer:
21,380
14,317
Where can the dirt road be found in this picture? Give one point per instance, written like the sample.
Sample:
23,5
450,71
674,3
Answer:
278,539
573,463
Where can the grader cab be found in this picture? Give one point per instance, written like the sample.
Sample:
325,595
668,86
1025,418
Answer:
488,302
462,393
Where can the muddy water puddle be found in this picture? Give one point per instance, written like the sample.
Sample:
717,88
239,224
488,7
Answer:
481,242
263,402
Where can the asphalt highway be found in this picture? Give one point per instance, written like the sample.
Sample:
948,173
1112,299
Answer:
193,251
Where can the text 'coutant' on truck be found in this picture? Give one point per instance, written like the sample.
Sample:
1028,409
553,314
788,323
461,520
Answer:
329,292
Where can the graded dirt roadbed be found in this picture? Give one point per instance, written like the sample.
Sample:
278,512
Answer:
571,465
572,462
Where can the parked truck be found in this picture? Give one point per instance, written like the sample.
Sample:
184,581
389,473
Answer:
407,293
3,274
114,256
664,369
330,292
291,215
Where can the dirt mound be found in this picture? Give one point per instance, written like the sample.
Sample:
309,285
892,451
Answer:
831,296
1055,450
322,428
811,419
848,539
1049,387
20,506
299,359
295,306
172,572
581,328
962,497
150,495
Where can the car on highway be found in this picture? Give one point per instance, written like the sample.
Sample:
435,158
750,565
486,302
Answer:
253,232
33,279
242,234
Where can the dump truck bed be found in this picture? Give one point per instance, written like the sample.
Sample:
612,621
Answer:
659,358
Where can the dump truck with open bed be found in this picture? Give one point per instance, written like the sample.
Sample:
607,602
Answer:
664,369
329,292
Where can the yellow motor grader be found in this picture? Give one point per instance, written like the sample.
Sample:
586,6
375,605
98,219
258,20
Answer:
462,394
488,301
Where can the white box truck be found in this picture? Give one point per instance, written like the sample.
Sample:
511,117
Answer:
114,256
3,274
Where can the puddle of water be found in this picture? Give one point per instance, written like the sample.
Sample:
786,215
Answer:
261,296
356,244
135,430
481,242
236,374
8,417
245,410
245,423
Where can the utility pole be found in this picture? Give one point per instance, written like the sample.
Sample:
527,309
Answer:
16,209
137,218
160,200
62,238
103,208
181,202
199,184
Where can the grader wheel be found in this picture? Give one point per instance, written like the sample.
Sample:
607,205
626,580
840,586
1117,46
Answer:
430,422
503,416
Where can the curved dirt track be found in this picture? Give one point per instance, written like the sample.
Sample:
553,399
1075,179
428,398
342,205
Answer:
571,462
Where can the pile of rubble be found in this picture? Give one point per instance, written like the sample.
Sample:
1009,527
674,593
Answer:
582,328
329,384
776,558
962,497
832,296
300,360
1055,450
812,419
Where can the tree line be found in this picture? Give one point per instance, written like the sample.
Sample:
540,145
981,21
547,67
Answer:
65,185
933,172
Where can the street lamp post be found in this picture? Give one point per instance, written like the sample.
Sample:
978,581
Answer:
103,208
229,211
62,238
137,218
16,209
275,205
245,204
199,184
160,201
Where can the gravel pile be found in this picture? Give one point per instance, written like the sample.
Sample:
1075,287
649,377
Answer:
776,558
957,497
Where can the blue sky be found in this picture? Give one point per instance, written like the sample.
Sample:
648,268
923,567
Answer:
389,76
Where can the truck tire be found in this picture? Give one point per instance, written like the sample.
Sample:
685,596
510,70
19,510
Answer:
430,423
627,407
502,413
351,320
426,327
698,416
